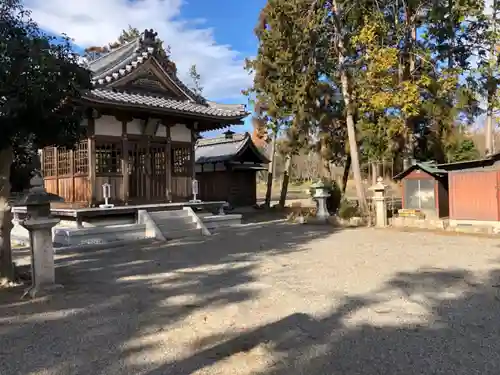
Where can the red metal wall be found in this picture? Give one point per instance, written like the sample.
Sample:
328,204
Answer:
474,195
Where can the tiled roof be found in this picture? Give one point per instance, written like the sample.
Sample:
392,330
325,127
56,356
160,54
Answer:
116,96
219,149
125,59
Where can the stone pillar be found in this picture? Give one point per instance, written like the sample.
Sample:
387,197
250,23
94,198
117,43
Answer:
39,223
380,203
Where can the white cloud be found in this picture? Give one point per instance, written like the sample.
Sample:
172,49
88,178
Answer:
98,22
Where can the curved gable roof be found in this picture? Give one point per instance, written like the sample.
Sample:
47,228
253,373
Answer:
223,149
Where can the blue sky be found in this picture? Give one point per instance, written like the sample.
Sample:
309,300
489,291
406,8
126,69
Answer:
216,35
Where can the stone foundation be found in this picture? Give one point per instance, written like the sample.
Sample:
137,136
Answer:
459,226
415,222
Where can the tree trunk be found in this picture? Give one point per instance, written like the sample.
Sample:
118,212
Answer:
345,176
374,172
286,179
270,174
492,88
6,265
345,80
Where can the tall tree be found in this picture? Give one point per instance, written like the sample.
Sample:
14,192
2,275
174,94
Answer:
284,75
196,78
39,75
334,52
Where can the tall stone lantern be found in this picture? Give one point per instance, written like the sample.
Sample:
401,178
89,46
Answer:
380,203
39,223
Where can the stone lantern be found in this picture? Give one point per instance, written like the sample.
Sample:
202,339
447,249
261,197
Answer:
39,223
380,203
321,194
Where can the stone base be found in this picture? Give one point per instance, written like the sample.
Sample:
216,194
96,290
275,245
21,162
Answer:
41,291
106,205
415,222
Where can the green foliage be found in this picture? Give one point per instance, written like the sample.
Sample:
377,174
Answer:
348,209
461,150
40,81
333,201
196,78
283,77
414,93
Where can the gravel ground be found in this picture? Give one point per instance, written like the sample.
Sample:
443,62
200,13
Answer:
275,299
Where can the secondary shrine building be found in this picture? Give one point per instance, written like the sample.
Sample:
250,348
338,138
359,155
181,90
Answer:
142,124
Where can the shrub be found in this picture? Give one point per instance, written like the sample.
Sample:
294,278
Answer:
348,209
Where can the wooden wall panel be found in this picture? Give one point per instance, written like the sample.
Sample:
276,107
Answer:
51,185
65,186
473,195
181,188
83,192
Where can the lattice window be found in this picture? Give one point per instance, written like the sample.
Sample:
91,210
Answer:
181,161
49,161
63,161
108,158
81,156
159,160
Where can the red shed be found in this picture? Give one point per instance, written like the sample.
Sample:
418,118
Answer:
425,188
474,189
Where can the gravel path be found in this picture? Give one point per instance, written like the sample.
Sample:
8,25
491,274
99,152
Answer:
277,299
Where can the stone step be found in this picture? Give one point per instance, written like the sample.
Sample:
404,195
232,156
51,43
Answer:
98,235
166,226
188,233
160,215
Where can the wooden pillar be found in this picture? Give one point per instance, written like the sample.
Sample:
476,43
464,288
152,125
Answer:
92,161
168,160
194,130
56,169
72,173
125,165
149,169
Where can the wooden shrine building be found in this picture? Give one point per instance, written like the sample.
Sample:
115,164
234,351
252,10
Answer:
226,169
141,130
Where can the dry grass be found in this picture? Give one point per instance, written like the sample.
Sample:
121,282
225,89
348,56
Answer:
298,191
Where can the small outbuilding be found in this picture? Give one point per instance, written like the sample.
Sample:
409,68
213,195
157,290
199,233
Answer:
226,168
474,189
425,188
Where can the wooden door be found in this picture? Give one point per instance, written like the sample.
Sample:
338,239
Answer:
158,184
137,170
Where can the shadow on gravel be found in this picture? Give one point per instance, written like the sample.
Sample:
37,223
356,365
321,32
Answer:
113,297
457,333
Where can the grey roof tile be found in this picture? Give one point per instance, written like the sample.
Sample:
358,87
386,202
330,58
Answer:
220,149
163,102
115,59
212,150
125,59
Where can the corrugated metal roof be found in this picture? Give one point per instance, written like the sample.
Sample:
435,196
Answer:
428,167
